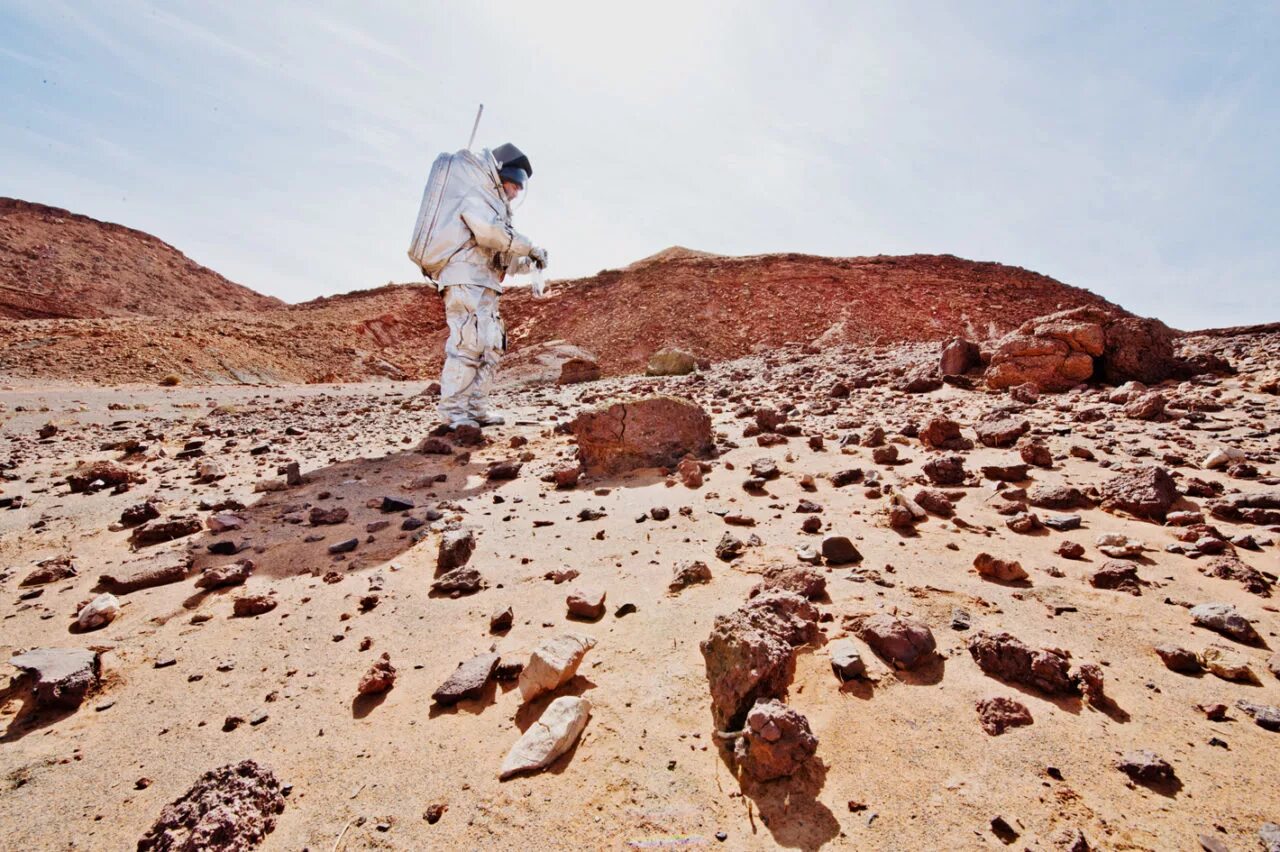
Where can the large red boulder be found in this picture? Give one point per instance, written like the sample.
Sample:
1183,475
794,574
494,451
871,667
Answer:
1061,350
657,431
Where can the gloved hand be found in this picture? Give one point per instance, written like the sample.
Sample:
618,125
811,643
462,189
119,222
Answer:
539,257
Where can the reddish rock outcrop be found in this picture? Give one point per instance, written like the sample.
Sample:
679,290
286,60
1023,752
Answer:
657,431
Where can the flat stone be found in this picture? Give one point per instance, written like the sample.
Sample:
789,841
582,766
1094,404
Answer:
468,679
1225,619
1145,767
846,661
64,676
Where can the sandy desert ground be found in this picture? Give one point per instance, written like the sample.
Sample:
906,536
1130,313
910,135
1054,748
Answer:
902,762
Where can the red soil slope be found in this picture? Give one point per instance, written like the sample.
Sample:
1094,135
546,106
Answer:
54,263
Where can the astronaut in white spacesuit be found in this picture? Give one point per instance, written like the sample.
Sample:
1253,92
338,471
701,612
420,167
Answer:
471,282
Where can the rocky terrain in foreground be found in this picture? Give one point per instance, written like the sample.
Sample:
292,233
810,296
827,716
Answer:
876,597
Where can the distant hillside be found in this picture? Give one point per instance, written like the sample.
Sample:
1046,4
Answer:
54,264
717,307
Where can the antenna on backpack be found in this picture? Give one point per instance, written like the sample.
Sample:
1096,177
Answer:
475,127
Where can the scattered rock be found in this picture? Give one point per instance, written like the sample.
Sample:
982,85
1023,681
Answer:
839,550
805,582
935,502
587,605
320,516
1146,493
99,612
1071,550
944,434
901,641
730,547
1227,664
468,679
250,605
688,573
996,715
95,476
775,742
846,661
1179,659
1146,407
1119,546
63,676
749,653
380,677
1001,430
555,732
576,370
1146,767
158,532
220,576
671,362
553,663
501,622
456,547
50,571
1266,716
1225,619
998,569
948,470
458,582
958,357
1117,576
1002,656
230,809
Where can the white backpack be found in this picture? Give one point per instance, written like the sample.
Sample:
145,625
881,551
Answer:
440,232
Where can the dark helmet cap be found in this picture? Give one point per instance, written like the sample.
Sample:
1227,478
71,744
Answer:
510,155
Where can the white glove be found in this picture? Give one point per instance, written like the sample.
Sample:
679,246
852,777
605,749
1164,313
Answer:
538,284
539,257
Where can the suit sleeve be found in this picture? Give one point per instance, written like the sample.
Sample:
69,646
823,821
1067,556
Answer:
493,232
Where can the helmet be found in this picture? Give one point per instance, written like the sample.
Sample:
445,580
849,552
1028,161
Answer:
511,157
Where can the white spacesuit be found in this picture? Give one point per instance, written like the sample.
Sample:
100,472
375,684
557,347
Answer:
478,220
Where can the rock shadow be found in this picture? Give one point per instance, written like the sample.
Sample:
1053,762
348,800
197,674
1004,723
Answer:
279,547
28,719
927,673
1069,703
789,807
363,705
531,711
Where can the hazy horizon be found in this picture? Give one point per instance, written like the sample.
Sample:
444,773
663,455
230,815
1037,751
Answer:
1128,150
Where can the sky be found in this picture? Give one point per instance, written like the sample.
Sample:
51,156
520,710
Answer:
1129,148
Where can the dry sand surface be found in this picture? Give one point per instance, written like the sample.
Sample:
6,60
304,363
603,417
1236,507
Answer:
902,762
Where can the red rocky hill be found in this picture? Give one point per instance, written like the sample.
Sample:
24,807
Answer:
54,263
